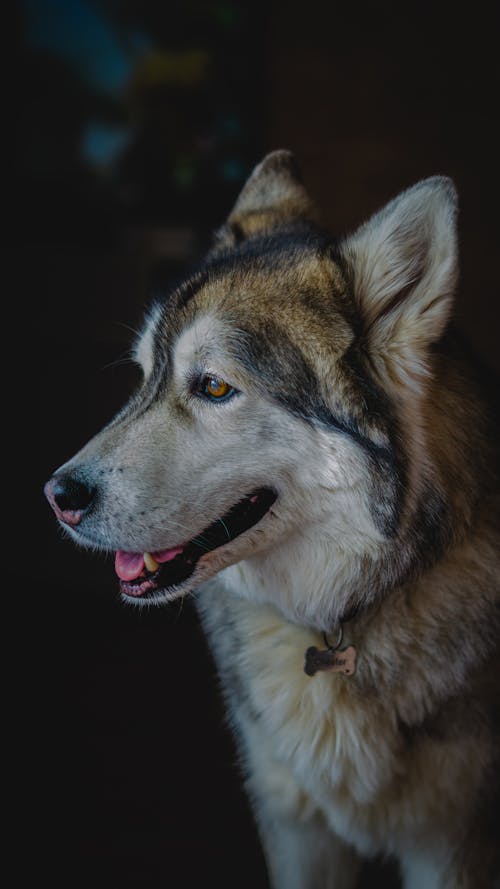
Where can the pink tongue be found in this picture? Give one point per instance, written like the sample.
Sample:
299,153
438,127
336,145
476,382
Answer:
129,566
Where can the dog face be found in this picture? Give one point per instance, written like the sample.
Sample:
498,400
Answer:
276,381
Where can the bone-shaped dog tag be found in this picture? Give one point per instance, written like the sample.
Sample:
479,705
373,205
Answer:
330,660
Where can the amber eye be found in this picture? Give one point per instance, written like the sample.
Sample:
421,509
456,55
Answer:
216,389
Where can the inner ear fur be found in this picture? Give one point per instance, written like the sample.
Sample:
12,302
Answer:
402,267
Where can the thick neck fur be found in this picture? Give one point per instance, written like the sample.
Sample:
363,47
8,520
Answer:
443,536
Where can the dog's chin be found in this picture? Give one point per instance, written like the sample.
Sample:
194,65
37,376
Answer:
226,541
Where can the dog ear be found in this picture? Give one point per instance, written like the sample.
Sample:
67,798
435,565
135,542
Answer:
402,266
273,196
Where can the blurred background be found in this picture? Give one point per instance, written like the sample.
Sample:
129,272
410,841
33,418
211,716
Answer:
137,123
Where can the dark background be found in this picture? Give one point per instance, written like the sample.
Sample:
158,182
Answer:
136,125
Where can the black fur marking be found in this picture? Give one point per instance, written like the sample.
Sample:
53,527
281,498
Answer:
237,232
283,371
378,408
281,368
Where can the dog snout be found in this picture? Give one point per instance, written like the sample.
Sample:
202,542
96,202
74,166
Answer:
70,497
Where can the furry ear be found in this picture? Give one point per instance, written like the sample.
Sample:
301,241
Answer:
273,196
402,266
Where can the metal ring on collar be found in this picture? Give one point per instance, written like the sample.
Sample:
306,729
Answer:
338,643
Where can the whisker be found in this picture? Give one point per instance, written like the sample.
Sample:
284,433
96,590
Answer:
179,610
225,528
133,330
199,540
196,540
126,359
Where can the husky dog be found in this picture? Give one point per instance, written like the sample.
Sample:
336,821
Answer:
309,451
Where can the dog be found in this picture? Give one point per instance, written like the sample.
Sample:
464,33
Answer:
310,454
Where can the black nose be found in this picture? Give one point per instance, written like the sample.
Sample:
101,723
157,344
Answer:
69,496
72,493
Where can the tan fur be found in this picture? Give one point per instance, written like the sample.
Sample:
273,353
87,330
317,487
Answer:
367,419
273,194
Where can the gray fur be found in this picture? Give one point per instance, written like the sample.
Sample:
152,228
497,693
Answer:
356,404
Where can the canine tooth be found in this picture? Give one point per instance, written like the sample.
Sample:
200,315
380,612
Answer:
150,563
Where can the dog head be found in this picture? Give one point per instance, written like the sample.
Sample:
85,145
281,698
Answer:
276,380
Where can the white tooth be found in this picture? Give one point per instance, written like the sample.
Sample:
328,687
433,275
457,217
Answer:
150,563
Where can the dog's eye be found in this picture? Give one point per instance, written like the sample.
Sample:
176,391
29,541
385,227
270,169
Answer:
215,389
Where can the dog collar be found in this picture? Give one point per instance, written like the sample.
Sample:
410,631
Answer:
332,658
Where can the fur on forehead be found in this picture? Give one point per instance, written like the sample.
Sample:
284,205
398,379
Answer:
289,282
291,288
389,285
401,265
204,343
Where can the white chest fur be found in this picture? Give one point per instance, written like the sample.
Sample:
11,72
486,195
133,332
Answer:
333,740
328,734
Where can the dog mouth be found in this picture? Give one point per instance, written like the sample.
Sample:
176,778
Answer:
145,575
